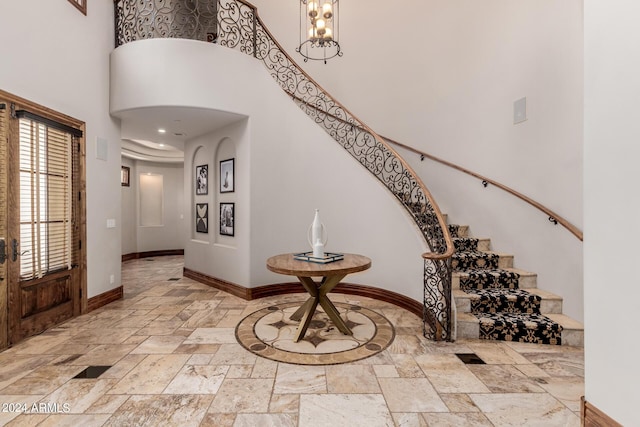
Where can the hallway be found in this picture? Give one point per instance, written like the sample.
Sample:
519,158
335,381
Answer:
161,375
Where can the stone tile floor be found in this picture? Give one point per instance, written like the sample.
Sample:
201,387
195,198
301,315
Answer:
175,361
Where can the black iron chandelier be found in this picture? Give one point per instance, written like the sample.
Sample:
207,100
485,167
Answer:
319,30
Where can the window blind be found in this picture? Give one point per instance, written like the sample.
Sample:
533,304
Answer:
3,174
47,164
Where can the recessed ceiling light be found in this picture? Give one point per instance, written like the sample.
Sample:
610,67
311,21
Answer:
161,145
161,130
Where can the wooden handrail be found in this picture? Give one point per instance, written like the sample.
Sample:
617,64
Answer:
554,217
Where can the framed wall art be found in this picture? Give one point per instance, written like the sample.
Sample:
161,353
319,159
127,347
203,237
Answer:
227,184
202,180
81,5
227,219
202,217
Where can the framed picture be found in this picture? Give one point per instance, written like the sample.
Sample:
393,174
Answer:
202,217
202,175
81,5
227,218
227,176
125,176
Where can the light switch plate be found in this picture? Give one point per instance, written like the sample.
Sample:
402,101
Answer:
102,149
520,110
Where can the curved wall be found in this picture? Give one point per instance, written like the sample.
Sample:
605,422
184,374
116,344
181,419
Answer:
285,167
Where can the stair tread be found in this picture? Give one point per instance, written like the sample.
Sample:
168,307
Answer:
495,271
500,254
479,260
496,292
471,293
534,328
546,302
484,271
545,294
566,322
480,239
468,254
511,317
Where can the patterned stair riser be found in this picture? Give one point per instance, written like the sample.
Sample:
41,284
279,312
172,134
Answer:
530,328
454,230
465,244
489,279
504,301
469,260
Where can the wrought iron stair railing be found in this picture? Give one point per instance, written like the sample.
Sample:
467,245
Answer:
239,27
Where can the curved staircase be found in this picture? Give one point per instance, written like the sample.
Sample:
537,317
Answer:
495,301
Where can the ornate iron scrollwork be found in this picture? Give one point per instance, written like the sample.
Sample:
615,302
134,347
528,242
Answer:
148,19
437,300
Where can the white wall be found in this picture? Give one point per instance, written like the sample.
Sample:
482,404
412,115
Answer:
286,166
442,77
170,233
612,132
40,34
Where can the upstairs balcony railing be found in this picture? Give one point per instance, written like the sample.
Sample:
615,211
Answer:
237,26
149,19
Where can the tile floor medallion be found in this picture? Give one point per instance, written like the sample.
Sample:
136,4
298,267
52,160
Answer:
175,361
269,333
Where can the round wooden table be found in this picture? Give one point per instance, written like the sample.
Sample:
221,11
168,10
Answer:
331,274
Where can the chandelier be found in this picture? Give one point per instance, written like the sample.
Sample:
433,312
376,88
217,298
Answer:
319,30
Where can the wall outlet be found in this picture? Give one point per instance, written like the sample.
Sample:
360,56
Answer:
111,223
112,279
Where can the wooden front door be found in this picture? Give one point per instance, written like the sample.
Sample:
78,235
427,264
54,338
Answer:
44,267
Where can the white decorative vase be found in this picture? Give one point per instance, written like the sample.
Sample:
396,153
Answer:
319,236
